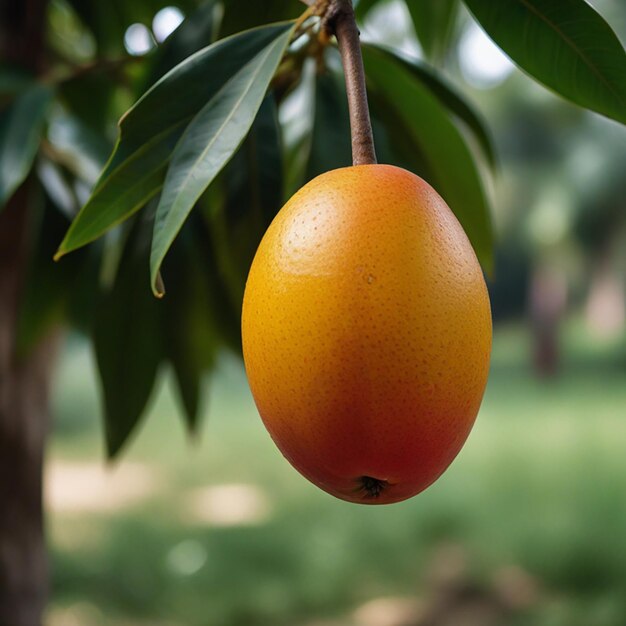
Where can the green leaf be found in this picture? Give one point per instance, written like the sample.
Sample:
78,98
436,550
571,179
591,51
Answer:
105,21
563,44
195,32
331,126
453,172
188,378
434,22
80,148
150,129
109,20
260,188
209,142
94,110
58,187
225,312
186,89
13,80
236,18
250,196
394,144
297,130
48,286
363,7
191,333
21,126
128,343
127,190
452,99
86,290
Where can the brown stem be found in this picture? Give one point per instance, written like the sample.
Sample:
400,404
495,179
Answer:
338,19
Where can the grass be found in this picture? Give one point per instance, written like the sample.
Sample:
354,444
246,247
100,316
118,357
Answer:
538,490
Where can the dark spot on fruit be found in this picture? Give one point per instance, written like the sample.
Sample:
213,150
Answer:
371,487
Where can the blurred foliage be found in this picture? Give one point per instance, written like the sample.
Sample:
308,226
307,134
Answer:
527,521
251,116
558,201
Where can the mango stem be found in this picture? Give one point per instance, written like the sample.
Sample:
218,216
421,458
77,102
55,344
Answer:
338,19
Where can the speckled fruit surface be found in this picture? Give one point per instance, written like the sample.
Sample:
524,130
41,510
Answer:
367,333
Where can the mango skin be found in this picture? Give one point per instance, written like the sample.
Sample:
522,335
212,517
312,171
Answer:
367,333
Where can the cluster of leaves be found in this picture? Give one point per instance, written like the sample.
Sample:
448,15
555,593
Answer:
201,163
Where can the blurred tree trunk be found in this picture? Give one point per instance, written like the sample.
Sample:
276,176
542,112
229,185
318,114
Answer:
23,381
548,300
605,309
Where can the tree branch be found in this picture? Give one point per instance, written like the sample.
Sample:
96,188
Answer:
338,19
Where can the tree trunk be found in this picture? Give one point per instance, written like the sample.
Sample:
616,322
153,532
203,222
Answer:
23,428
22,25
23,381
